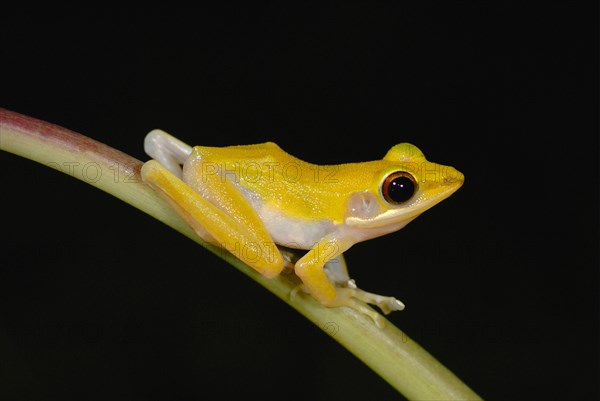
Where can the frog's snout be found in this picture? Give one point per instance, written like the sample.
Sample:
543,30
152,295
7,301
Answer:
453,177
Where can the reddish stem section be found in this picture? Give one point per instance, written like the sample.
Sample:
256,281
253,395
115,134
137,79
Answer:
64,138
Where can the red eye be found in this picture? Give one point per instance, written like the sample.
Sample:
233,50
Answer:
398,187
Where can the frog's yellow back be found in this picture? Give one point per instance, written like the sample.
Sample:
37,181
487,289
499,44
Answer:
309,191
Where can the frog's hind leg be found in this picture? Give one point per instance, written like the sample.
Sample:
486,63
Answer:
168,150
244,236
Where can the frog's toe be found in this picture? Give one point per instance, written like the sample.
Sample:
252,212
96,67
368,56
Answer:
356,298
348,297
386,304
390,304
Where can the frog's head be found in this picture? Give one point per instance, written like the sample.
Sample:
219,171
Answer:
405,186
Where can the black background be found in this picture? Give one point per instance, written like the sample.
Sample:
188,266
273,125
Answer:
99,301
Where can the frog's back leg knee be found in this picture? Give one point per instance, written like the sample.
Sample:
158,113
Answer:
167,150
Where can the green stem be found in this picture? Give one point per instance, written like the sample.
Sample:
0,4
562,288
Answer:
388,351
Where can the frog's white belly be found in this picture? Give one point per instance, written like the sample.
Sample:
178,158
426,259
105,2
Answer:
293,232
288,231
304,234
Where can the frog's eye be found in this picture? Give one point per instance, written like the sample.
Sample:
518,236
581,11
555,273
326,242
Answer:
398,187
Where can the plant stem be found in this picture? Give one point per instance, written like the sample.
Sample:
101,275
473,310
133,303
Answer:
388,351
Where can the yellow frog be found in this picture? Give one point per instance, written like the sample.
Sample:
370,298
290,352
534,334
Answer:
253,200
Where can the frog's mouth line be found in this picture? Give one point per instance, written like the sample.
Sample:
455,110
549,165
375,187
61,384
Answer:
401,216
391,217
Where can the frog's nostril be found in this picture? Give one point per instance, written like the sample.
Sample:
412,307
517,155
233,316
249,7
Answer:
452,176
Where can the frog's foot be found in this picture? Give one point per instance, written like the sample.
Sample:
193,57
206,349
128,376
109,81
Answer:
386,304
355,298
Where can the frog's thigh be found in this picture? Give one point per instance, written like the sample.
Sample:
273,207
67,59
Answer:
251,244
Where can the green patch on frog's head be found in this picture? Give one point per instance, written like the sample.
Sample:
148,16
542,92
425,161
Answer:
404,152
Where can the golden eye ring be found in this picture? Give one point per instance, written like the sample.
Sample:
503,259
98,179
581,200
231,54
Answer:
398,187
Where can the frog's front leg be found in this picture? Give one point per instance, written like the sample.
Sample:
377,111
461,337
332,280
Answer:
337,272
310,269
